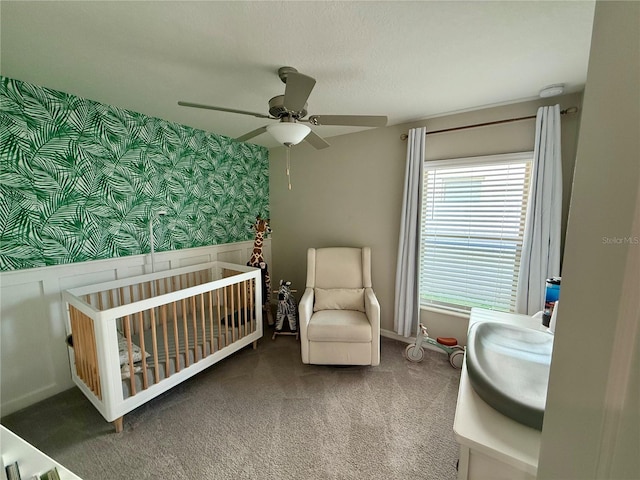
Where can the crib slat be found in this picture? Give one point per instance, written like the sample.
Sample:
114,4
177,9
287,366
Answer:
194,315
225,297
141,297
163,315
211,340
154,338
93,354
247,313
239,309
175,334
131,299
78,353
240,312
251,309
148,294
219,319
186,332
203,321
127,334
111,300
145,381
233,315
84,348
245,290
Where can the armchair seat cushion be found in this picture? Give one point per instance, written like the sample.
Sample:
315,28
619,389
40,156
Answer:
339,326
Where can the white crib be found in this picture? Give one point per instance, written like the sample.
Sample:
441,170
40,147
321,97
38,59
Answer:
132,339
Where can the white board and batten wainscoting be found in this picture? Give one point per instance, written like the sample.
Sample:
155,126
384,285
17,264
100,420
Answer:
33,320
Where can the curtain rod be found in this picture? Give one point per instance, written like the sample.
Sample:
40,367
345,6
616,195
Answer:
566,111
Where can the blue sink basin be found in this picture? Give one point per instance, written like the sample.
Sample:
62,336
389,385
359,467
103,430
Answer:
508,367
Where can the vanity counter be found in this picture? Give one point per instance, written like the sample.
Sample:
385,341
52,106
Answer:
492,446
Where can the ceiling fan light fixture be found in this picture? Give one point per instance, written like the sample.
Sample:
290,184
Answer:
288,133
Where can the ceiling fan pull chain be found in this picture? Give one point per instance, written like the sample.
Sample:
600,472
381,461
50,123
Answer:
289,165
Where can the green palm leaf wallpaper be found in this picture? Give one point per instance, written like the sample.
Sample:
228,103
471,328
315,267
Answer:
79,181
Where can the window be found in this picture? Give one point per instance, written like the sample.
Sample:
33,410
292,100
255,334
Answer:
473,217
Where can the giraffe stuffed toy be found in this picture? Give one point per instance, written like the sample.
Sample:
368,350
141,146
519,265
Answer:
261,227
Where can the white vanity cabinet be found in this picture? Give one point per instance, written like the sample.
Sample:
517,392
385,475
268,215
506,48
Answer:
493,446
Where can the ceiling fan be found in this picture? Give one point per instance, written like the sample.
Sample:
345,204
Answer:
291,108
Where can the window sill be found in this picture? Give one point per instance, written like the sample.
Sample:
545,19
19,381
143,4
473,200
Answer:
443,311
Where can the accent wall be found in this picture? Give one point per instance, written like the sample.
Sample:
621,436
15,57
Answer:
81,180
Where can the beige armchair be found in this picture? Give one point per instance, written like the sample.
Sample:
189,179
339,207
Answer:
339,312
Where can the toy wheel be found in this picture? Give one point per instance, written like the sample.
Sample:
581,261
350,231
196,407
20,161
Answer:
414,353
456,358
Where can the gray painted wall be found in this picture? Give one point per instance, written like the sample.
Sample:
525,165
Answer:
351,193
592,420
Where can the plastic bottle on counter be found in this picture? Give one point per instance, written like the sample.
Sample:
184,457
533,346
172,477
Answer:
552,295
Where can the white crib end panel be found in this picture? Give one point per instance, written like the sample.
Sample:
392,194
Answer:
109,365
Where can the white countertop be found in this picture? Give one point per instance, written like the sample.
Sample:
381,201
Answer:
480,427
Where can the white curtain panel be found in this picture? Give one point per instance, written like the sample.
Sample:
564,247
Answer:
407,304
541,246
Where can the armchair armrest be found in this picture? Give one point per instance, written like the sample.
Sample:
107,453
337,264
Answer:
372,311
305,310
305,307
372,308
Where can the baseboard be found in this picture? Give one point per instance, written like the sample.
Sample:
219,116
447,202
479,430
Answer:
395,336
33,397
400,338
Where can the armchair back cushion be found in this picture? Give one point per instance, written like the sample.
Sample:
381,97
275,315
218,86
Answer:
343,267
339,299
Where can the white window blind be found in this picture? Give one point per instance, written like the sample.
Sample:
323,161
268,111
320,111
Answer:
473,217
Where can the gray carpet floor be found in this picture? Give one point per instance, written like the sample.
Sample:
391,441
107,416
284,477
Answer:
262,414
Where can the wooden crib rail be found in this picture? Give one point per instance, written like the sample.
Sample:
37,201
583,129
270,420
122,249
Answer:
113,297
84,350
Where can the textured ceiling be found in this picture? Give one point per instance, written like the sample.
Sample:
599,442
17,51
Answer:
407,60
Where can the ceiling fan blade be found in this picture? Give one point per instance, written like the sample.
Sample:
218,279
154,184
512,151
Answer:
297,91
349,120
252,134
316,140
222,109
